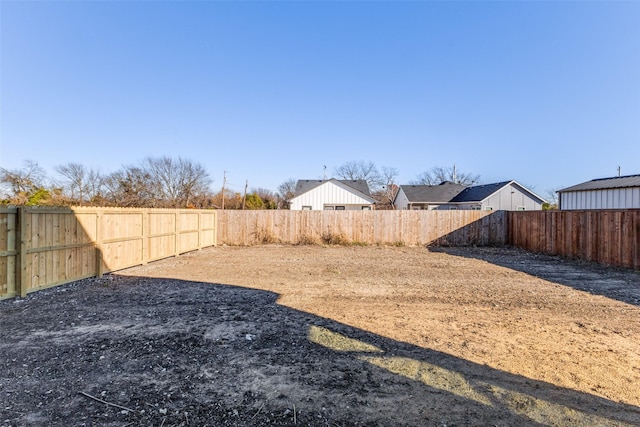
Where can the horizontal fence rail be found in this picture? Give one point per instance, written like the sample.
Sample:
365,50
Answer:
43,247
604,236
445,228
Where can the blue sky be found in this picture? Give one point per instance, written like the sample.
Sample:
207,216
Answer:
546,93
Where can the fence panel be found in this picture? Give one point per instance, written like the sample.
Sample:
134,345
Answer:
608,237
56,247
42,247
161,234
368,227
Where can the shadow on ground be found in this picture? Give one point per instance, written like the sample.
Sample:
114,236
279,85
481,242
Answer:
129,351
616,283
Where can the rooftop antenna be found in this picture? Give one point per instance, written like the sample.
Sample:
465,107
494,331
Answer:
619,171
324,167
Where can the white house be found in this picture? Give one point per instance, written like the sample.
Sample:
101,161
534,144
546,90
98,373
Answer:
621,192
507,195
331,194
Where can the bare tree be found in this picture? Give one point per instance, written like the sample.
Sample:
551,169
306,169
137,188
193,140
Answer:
155,182
23,181
361,170
232,200
177,182
80,183
130,186
440,174
552,198
387,192
286,191
27,186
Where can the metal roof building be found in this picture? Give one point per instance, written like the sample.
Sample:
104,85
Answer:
620,192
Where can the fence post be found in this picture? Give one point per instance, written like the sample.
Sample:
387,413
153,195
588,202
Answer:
12,267
21,268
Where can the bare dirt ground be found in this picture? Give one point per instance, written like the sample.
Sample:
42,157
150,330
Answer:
329,336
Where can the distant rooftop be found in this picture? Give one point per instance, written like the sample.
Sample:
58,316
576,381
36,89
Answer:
304,185
441,193
479,192
606,183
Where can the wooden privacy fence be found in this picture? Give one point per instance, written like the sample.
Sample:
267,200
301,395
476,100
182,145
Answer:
43,247
454,228
605,236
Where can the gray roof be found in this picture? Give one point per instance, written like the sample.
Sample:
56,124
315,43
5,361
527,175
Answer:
604,183
432,193
479,192
448,192
304,185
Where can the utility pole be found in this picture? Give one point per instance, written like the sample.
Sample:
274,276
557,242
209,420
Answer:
244,196
324,168
224,181
455,178
619,169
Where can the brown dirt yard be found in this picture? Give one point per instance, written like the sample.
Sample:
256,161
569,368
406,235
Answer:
329,336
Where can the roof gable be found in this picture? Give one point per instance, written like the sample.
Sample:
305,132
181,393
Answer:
606,183
479,193
358,186
448,192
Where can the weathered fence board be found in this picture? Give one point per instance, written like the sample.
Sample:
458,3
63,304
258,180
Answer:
43,247
608,236
365,227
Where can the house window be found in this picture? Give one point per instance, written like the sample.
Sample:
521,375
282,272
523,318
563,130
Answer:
453,208
488,208
306,208
366,208
340,208
475,208
521,208
328,208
